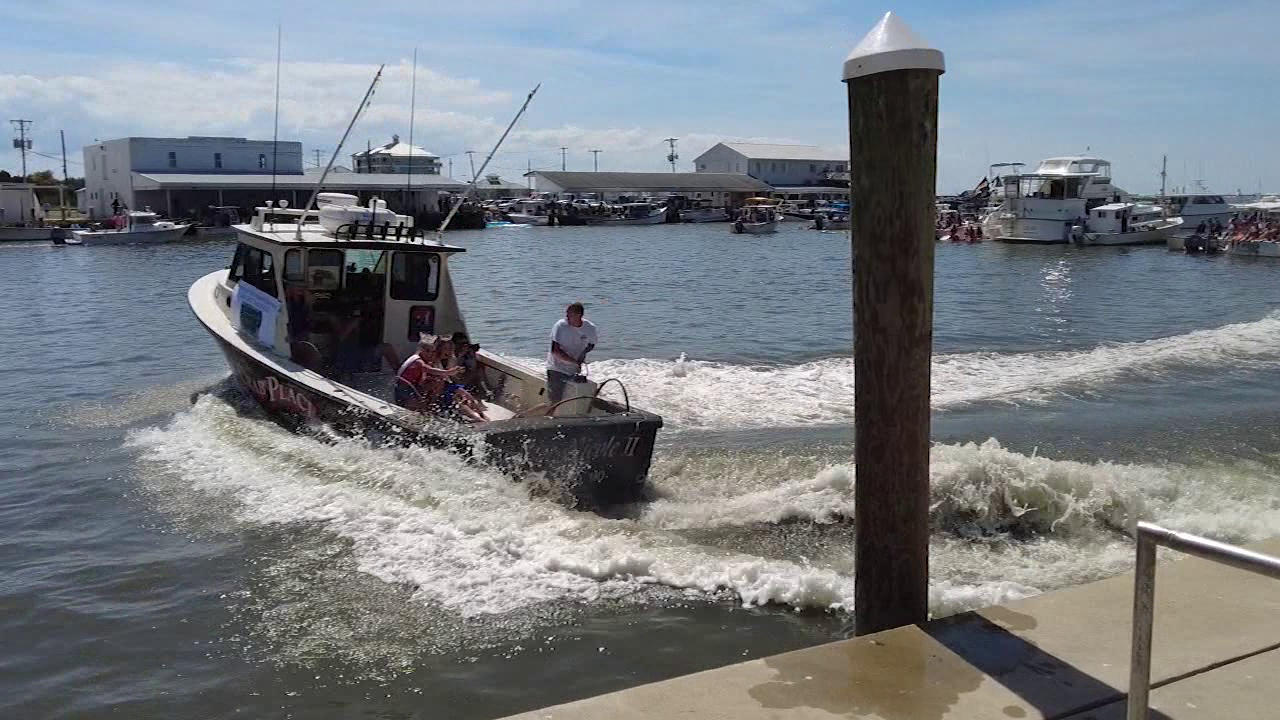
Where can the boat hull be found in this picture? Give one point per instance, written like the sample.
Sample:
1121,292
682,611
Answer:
522,219
704,216
125,237
1262,249
30,233
1151,236
656,218
742,228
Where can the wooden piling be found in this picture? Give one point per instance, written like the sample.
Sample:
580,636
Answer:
892,80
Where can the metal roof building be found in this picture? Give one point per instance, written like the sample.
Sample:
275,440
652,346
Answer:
611,184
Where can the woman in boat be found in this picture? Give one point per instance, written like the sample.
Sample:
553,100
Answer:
453,396
420,381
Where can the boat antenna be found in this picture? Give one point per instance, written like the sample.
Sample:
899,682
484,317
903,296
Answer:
457,203
275,132
413,102
364,103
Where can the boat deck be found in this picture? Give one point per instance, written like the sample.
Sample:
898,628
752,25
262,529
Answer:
1062,655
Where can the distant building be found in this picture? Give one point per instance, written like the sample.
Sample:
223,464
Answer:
721,189
396,157
493,187
786,165
110,166
183,177
18,204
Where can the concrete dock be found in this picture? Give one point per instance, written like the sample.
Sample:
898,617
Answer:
1065,654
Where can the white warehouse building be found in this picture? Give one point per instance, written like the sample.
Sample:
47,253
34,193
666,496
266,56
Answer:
111,167
777,165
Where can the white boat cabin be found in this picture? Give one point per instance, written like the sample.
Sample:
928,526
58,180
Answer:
388,280
1119,218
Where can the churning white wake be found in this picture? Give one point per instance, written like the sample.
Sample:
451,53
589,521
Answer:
714,395
469,540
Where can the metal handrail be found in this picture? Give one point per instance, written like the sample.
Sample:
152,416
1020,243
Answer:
1144,595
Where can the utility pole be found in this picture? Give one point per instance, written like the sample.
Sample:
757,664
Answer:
529,173
1164,166
317,152
23,143
471,155
892,82
62,202
672,157
451,168
595,160
563,150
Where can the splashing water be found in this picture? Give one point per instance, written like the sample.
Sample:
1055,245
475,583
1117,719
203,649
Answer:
713,395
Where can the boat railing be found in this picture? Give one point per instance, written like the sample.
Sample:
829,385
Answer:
1148,537
379,231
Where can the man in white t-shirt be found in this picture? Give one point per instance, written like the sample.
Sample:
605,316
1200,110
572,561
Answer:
571,339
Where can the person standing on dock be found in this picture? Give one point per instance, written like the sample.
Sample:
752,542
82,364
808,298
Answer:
572,337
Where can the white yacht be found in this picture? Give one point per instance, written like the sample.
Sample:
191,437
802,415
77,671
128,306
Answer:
530,211
1043,206
140,226
1127,224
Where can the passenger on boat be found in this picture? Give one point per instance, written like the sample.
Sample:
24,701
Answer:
472,377
420,381
572,337
454,396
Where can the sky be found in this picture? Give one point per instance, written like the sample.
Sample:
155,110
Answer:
1127,81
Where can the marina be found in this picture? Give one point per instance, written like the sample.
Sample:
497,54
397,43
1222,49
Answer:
764,419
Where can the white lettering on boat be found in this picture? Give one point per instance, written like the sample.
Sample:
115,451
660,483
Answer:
273,393
598,449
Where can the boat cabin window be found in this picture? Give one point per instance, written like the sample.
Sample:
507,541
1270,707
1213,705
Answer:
255,267
415,276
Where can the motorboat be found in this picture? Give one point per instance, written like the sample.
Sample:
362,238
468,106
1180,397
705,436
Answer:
830,221
275,314
530,211
136,227
1043,206
704,214
636,213
1126,224
218,223
755,220
1196,209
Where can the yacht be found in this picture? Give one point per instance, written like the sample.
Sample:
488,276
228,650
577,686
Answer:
276,310
139,226
1043,206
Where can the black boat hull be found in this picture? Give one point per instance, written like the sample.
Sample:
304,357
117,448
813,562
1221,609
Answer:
591,460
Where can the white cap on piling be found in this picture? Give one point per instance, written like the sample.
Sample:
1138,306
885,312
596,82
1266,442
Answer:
891,45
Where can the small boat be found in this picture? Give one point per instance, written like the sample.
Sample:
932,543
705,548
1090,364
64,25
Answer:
755,220
830,220
637,213
139,226
275,310
219,223
1126,224
530,212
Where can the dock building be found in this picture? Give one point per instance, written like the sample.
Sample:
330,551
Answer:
777,165
182,177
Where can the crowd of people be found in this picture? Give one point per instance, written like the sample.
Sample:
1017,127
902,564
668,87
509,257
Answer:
443,377
1245,228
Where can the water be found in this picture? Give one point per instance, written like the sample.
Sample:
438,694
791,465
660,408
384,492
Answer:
168,559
